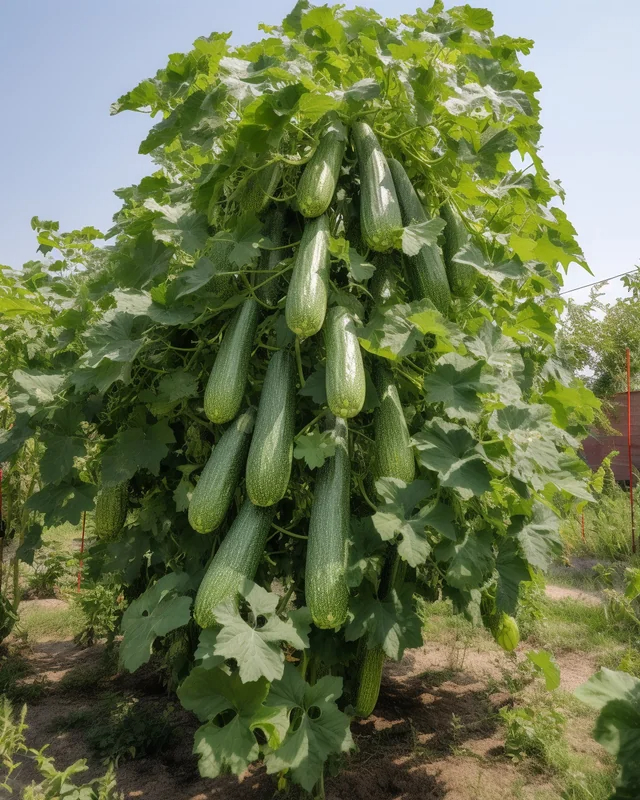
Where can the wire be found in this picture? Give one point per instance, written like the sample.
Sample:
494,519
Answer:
604,280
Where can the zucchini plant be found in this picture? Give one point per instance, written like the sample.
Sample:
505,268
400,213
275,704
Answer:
319,356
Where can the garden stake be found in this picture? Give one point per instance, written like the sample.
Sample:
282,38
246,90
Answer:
84,522
633,526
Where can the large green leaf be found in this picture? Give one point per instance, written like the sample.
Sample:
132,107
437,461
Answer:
160,610
455,455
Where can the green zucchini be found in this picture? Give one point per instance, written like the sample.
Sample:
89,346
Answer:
307,295
380,217
392,453
236,560
111,511
326,590
426,271
270,293
223,395
345,379
260,188
318,182
369,678
271,451
214,491
461,276
384,283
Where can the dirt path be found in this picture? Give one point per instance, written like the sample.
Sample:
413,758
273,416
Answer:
568,592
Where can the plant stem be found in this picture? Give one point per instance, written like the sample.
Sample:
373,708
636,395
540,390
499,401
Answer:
363,492
289,533
284,601
309,424
299,362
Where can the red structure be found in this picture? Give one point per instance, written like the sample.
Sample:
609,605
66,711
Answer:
600,444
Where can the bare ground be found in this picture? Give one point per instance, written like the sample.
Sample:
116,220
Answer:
433,736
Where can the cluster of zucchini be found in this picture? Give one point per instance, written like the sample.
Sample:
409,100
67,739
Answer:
261,443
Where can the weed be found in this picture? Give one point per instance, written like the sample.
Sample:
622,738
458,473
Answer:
127,728
13,671
532,732
101,606
13,743
58,622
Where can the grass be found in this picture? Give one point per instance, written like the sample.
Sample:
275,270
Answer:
607,529
52,623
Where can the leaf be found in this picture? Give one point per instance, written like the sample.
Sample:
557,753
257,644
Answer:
538,536
453,452
57,461
232,745
255,643
177,385
469,561
64,502
321,729
391,623
471,255
205,651
247,237
632,581
455,382
135,449
365,89
156,612
315,387
191,280
617,696
545,664
421,234
492,346
40,386
512,570
179,224
364,557
359,269
390,333
396,519
314,448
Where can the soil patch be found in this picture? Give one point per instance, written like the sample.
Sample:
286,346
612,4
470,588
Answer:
567,592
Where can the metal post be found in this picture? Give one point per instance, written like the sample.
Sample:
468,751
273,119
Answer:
84,522
633,526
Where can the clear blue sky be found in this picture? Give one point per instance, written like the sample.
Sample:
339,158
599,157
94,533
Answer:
63,63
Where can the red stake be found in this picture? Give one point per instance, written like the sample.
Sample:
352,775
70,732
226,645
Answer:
84,522
633,526
583,526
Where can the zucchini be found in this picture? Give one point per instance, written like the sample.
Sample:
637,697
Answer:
223,395
392,452
214,491
326,590
461,276
307,295
271,451
318,182
506,633
345,379
380,217
384,283
260,188
236,560
369,678
426,271
111,511
269,294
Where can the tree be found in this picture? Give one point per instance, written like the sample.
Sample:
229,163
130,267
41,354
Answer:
595,336
114,391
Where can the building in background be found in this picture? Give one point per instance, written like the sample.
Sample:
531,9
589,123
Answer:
599,444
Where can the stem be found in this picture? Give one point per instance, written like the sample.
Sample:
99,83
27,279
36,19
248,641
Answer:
273,277
320,795
289,533
309,424
400,135
284,601
363,492
299,362
364,435
409,378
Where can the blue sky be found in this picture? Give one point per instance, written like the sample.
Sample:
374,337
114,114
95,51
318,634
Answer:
64,63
